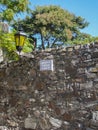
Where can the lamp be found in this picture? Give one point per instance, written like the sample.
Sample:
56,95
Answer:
20,37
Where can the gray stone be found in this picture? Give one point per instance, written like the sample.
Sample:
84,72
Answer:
71,88
30,122
55,122
3,128
44,124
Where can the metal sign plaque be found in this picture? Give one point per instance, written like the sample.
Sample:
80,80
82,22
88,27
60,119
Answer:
46,65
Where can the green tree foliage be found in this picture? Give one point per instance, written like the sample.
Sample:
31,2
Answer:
54,25
7,43
83,38
8,8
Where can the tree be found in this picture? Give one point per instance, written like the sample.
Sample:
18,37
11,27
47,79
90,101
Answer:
53,25
84,38
8,8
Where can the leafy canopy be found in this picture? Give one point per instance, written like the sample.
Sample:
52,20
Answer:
53,24
8,8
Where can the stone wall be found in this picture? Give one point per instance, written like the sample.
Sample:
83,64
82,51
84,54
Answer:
63,98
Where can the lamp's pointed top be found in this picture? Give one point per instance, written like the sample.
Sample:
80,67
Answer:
20,28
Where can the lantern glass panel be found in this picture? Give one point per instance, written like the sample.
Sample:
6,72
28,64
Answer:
17,40
22,39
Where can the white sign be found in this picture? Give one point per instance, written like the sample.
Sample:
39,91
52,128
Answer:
46,65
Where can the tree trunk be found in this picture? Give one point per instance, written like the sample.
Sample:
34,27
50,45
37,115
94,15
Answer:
42,42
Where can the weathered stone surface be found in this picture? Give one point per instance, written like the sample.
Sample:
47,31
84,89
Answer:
64,98
30,122
44,123
55,122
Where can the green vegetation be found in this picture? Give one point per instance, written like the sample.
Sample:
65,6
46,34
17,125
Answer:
7,43
54,25
51,25
83,38
10,8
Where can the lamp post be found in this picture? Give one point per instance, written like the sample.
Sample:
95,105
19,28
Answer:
20,37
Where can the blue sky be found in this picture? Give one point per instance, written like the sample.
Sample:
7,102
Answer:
84,8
